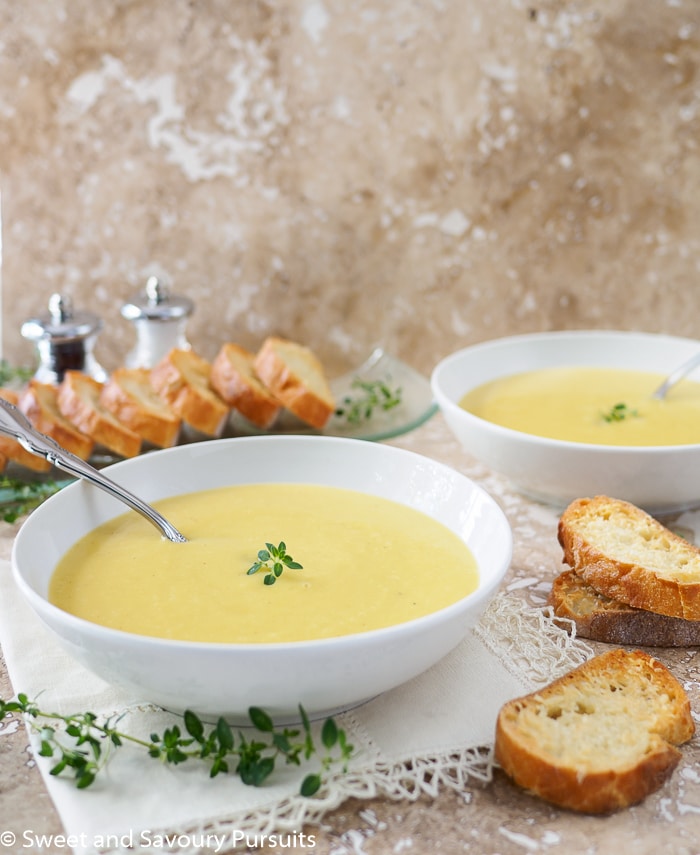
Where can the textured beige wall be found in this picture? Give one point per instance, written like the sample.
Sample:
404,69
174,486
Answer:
417,173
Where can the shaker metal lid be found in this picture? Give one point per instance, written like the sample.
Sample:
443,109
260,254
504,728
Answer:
62,323
156,303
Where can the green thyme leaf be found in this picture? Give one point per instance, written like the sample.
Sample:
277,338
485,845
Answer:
260,719
329,733
310,785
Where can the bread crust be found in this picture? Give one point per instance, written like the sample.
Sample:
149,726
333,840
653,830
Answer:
39,402
233,377
584,776
10,449
79,401
628,581
295,377
129,395
601,618
182,379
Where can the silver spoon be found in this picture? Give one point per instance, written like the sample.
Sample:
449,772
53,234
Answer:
14,423
677,375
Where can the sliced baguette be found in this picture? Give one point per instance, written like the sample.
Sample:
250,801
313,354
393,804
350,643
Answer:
294,375
626,554
601,618
129,395
39,402
182,379
233,377
10,449
79,401
600,738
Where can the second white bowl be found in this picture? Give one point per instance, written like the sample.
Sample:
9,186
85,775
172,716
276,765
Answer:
661,479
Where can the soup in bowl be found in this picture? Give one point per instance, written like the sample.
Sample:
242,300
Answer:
384,558
571,414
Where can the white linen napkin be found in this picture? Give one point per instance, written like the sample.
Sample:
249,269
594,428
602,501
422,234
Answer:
434,731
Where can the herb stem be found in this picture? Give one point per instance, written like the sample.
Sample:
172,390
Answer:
18,498
83,744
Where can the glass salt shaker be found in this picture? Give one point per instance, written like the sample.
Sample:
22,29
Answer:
64,340
159,319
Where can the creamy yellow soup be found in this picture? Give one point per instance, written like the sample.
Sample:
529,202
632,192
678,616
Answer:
604,406
366,563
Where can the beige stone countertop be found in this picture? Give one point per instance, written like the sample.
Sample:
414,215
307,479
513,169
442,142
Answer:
487,819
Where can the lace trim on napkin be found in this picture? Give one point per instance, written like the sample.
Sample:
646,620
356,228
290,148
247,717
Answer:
528,642
525,639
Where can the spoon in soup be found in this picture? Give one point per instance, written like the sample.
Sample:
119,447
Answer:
15,424
676,376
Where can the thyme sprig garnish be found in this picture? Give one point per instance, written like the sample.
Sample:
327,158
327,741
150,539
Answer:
12,375
18,498
82,744
619,412
274,559
373,394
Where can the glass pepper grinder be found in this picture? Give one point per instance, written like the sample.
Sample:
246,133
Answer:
160,319
64,340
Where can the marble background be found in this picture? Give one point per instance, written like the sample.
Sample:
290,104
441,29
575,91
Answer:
422,174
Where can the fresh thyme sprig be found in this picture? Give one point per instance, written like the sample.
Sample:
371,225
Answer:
373,394
619,412
81,744
274,559
18,498
11,375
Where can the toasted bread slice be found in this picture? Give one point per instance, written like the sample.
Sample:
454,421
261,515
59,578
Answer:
233,377
600,738
294,375
601,618
129,395
79,401
10,449
39,402
627,555
181,379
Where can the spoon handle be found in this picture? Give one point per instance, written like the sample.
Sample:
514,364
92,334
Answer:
676,376
14,423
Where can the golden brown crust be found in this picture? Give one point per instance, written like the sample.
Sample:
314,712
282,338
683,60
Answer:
130,397
182,379
79,401
39,402
295,377
615,698
595,793
638,585
601,618
233,377
10,449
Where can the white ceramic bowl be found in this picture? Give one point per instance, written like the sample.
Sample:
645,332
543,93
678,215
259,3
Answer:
324,676
661,479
